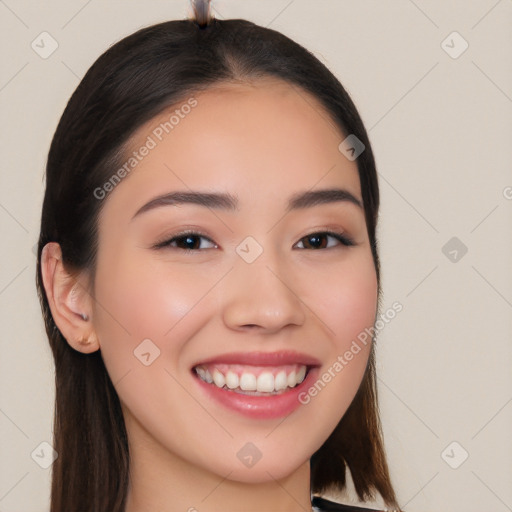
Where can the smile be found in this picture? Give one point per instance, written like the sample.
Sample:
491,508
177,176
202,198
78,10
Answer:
256,384
252,380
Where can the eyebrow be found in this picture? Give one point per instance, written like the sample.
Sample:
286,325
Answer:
229,202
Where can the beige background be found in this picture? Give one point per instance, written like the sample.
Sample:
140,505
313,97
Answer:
441,130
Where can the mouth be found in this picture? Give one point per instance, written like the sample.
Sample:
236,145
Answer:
256,384
253,380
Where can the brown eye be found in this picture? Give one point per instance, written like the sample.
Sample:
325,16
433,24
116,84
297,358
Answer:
190,241
320,240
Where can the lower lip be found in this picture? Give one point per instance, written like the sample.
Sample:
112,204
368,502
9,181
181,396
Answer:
259,407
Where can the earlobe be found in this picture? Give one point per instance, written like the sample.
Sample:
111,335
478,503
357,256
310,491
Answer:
69,300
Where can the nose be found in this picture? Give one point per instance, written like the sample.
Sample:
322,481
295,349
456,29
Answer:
260,296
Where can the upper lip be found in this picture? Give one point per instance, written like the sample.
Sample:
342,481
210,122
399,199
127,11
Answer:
278,358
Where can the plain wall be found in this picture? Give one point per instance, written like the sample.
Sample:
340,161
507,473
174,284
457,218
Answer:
440,126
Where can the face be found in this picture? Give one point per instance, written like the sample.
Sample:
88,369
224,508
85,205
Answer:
259,289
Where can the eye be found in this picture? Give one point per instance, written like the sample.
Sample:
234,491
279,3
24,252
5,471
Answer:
186,241
316,240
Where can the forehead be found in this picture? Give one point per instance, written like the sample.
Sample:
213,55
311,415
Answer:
267,138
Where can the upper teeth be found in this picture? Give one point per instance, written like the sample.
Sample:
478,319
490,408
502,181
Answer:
266,381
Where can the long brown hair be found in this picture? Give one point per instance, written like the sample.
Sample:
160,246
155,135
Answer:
130,83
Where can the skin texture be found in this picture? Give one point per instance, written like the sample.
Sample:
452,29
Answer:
262,142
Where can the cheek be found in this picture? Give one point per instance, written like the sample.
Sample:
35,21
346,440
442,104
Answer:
345,299
346,303
145,308
140,300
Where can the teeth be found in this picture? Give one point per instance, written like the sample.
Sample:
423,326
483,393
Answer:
281,381
301,374
248,382
205,375
265,382
218,378
232,380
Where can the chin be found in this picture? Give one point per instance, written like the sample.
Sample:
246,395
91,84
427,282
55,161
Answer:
262,473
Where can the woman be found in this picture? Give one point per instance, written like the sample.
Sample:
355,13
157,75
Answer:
207,263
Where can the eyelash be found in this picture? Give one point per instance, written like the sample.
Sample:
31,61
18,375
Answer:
166,243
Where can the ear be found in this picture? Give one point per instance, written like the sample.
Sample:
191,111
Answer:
69,300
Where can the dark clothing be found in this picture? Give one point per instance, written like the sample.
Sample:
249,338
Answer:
323,505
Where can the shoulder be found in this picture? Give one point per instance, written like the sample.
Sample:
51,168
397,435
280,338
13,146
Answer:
323,505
